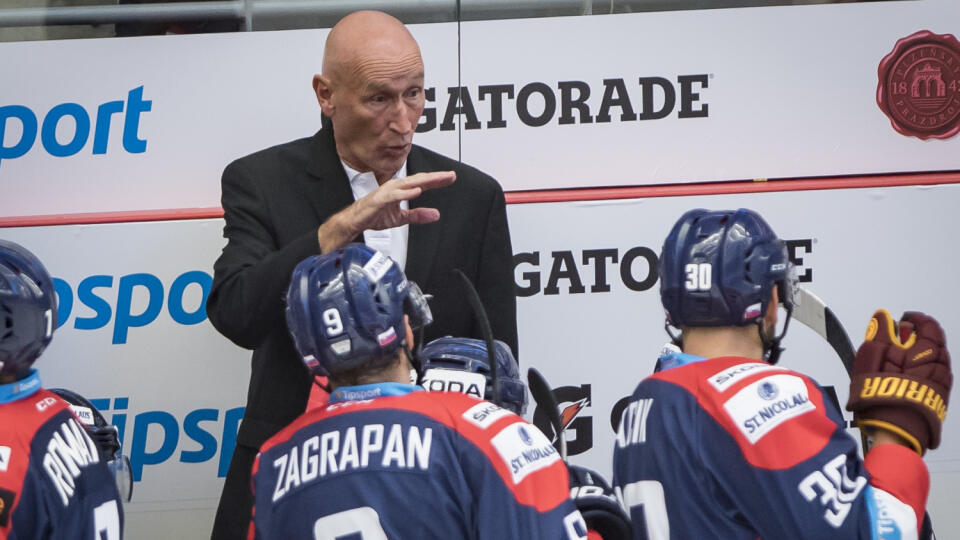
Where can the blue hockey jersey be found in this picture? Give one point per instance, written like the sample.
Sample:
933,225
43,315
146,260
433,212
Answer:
425,465
739,449
54,483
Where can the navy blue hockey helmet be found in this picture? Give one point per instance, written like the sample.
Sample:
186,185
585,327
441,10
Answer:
717,268
28,309
470,355
106,437
345,309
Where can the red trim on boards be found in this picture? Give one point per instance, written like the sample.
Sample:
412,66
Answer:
543,196
726,188
111,217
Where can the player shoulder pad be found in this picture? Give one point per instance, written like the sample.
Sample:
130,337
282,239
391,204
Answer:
525,460
777,416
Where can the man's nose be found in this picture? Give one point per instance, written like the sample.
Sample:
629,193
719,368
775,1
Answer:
400,118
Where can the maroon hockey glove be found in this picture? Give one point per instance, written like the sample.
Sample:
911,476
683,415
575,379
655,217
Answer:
901,378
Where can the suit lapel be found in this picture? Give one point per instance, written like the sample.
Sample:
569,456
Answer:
328,188
423,240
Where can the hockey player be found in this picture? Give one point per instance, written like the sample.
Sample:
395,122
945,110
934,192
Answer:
462,365
385,459
722,443
54,482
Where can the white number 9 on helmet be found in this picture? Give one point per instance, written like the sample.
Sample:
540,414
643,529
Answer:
332,321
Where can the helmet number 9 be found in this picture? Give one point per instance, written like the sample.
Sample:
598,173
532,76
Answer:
698,276
331,319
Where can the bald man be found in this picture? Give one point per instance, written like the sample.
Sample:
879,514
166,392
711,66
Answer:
361,179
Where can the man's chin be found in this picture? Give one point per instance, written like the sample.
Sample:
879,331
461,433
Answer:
391,163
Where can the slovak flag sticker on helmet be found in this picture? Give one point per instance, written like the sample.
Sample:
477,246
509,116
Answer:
387,337
752,311
311,361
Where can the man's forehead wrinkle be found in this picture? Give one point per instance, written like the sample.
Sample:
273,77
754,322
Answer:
379,72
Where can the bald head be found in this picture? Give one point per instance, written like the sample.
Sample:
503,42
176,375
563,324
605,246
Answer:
371,88
367,37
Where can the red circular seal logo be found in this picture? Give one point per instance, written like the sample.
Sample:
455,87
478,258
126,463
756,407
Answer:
919,86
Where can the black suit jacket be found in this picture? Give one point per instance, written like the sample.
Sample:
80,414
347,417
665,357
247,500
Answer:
274,201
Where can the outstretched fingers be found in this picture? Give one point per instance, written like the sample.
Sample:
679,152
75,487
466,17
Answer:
421,215
430,180
405,189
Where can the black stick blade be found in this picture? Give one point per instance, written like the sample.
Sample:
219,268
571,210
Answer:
542,394
481,314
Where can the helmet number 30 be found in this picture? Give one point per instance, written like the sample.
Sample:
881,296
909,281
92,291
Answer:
699,276
332,322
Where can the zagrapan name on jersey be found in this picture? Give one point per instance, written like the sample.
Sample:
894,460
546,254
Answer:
68,451
371,446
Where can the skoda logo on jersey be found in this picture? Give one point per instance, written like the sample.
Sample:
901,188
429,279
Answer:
768,390
524,436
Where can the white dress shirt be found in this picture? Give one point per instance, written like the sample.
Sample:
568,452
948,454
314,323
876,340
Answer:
392,242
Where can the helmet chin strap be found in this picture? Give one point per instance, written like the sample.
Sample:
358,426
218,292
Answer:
771,345
677,338
325,387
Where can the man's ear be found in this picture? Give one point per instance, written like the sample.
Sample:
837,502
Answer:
324,91
409,332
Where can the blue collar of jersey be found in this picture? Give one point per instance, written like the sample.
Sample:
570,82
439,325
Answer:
370,391
20,389
672,360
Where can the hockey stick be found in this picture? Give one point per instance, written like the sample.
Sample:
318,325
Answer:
481,314
810,310
544,397
814,314
539,388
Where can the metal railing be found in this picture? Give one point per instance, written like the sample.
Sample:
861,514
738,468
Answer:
274,14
